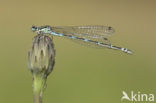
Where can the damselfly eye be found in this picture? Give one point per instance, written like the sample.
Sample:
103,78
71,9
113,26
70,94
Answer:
33,28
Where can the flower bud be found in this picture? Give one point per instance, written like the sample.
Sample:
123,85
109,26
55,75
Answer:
41,58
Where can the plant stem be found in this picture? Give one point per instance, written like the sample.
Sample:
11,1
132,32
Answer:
37,98
39,83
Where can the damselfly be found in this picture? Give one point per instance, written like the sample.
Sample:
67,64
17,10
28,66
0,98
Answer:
95,34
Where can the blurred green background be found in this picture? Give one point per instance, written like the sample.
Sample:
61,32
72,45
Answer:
81,74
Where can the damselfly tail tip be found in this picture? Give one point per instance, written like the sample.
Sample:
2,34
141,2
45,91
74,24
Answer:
127,50
130,52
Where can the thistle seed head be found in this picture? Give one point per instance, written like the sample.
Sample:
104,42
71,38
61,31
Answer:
41,57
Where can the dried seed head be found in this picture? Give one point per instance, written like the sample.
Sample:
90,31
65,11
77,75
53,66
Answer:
41,58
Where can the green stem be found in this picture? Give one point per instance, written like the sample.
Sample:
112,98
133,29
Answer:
37,98
39,83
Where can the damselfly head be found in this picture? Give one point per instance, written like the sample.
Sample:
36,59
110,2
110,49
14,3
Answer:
34,28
